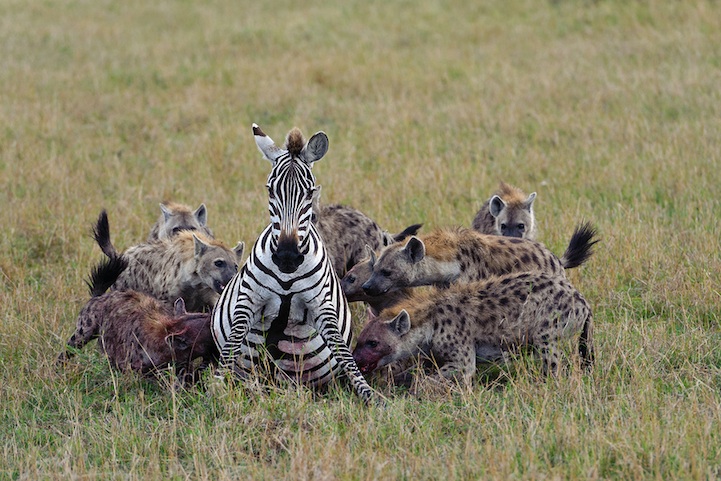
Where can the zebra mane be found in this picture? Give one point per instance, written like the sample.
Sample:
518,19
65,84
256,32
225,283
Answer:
294,142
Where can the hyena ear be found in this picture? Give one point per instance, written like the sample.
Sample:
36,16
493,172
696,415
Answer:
371,255
201,213
401,324
238,250
496,205
200,246
179,307
166,212
415,249
266,145
370,315
315,149
528,203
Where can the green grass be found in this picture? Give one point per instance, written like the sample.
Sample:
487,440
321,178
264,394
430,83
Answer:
610,110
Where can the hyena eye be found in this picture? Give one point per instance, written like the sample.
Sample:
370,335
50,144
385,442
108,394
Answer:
385,272
372,344
521,226
350,279
219,263
177,229
504,226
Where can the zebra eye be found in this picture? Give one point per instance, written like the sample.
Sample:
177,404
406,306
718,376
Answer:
219,263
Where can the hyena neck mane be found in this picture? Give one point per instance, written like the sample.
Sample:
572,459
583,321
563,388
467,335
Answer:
441,263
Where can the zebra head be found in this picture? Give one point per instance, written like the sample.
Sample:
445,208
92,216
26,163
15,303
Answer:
291,188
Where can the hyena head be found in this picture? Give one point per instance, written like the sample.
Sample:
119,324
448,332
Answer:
395,268
216,265
353,280
175,218
513,212
291,188
381,340
189,336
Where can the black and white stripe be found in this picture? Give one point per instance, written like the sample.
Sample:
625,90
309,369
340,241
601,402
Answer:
286,300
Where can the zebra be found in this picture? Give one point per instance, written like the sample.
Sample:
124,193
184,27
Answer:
286,300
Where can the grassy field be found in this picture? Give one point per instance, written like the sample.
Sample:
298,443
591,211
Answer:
610,110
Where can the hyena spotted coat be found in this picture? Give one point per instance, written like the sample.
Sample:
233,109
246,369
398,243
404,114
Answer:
346,231
480,321
140,333
462,255
188,265
509,212
175,217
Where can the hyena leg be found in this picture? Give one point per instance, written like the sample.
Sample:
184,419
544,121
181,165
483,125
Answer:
459,365
550,358
343,356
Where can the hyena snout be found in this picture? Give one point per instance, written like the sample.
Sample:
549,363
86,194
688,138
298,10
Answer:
287,257
372,288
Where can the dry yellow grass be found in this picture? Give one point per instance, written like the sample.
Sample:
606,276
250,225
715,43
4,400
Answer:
610,110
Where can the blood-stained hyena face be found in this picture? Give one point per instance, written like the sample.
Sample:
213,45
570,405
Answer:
380,342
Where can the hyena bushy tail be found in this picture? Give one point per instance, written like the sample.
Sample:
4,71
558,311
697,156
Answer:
580,248
101,233
104,275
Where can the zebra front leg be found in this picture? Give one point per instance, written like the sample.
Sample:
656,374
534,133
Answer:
343,356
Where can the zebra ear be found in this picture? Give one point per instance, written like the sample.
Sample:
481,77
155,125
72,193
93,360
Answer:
266,145
315,149
201,214
496,205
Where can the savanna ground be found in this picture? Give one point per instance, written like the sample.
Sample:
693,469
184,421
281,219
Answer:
610,110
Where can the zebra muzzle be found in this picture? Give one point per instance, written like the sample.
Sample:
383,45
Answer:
287,257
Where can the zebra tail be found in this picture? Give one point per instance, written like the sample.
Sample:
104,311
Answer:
580,248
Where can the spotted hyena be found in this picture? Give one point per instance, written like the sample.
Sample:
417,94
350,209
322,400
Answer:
352,285
509,212
346,231
480,321
188,265
176,217
140,333
463,255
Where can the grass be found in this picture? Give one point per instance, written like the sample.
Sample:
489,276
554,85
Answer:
609,110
